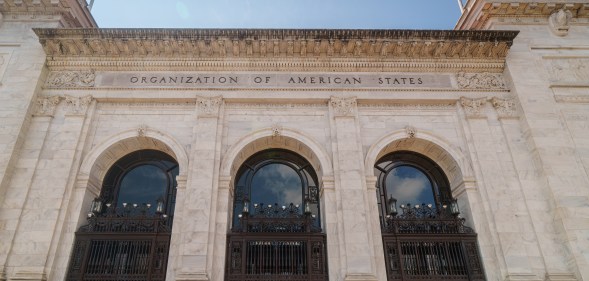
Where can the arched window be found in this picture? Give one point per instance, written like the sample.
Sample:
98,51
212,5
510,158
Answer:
129,224
276,220
423,235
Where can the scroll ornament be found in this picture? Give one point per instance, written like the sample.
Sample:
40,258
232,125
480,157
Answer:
480,81
71,79
77,105
209,106
343,106
45,106
504,107
473,107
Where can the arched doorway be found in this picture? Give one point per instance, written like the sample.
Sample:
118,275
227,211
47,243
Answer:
129,225
423,235
276,229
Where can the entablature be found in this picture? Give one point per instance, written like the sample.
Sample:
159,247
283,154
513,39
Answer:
276,49
74,13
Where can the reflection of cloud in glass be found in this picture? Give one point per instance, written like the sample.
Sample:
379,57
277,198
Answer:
409,185
276,183
143,184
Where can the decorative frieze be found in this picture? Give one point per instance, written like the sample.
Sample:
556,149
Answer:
71,79
480,81
504,107
473,107
209,107
343,106
77,105
45,106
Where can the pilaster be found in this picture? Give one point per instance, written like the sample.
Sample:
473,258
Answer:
355,227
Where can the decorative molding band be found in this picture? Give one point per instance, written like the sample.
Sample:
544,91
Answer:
409,106
282,106
505,108
275,43
71,79
472,107
481,81
209,107
45,106
77,106
480,12
298,64
571,99
343,106
73,12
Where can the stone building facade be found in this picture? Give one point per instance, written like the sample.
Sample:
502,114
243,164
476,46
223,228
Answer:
500,105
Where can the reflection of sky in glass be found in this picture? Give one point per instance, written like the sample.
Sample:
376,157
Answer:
143,184
409,185
276,183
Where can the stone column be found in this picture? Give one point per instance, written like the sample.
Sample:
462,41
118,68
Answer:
197,214
12,204
39,228
515,242
355,229
223,213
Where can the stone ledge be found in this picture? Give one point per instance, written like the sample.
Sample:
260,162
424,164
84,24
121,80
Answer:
360,277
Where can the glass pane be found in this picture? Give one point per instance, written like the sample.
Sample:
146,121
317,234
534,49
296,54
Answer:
143,184
277,183
409,185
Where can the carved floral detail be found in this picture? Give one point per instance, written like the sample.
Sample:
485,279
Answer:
209,106
504,107
473,107
141,130
276,130
45,106
71,79
343,106
480,80
77,105
559,21
411,131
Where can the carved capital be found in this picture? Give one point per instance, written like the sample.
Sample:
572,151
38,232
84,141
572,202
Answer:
504,107
493,81
559,21
77,105
209,107
343,106
473,107
71,79
45,106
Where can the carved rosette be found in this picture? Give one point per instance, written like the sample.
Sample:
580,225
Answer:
505,107
77,105
343,106
209,107
45,106
71,79
473,107
490,81
559,22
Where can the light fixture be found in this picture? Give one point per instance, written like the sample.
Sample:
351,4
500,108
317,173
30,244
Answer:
246,206
96,206
307,207
454,207
392,206
159,209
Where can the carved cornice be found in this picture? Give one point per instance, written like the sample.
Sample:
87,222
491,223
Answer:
73,13
45,106
209,107
77,106
234,46
343,106
479,12
473,107
480,81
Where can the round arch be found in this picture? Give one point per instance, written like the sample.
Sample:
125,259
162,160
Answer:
288,139
106,153
451,160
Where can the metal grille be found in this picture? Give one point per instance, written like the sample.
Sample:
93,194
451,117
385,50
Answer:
276,257
115,256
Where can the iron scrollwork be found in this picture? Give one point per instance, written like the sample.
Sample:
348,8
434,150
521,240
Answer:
425,219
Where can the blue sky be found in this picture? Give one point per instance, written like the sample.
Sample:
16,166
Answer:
360,14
